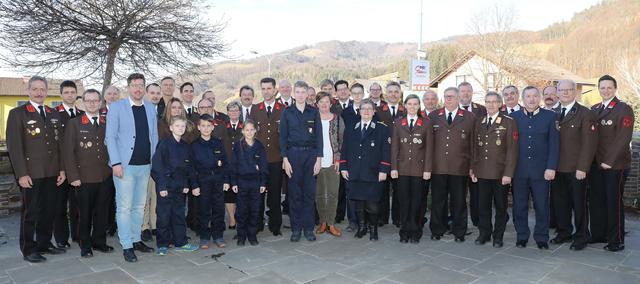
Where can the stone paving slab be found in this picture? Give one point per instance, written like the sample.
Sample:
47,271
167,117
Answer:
334,260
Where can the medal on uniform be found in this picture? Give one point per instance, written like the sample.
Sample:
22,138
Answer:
310,130
257,168
415,140
38,131
219,163
81,144
603,122
89,144
463,136
55,137
498,142
609,122
419,141
389,140
373,144
480,143
31,122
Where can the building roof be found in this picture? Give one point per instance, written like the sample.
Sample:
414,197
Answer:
12,86
533,70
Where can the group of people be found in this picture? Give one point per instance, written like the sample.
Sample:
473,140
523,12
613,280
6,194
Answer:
333,154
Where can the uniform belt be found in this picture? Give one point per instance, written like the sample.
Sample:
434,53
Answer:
302,148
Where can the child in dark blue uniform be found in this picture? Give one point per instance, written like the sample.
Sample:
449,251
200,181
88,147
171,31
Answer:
210,168
248,179
171,169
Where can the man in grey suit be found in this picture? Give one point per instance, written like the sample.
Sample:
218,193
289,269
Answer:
131,138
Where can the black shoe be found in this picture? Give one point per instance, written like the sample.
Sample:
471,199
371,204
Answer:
459,239
404,240
577,246
373,233
142,247
103,248
232,227
63,245
276,233
253,242
86,253
362,230
497,243
153,232
112,232
521,244
51,250
542,245
295,236
560,240
435,237
240,242
34,258
614,247
129,255
480,241
310,236
414,241
146,236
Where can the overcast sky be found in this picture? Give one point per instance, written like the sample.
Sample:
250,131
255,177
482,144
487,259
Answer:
269,26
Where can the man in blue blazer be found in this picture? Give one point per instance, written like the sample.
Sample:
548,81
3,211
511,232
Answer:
538,154
131,137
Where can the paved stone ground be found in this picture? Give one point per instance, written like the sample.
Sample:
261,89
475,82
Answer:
334,260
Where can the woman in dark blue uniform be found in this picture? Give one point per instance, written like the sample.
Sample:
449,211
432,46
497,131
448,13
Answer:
248,179
365,165
210,166
171,169
233,135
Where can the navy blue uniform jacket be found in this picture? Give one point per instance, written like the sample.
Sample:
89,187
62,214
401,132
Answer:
365,156
299,129
171,166
209,160
249,161
539,143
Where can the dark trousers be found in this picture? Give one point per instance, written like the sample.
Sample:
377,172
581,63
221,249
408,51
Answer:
248,207
273,196
302,190
539,190
192,213
410,192
423,205
473,202
570,196
448,190
66,214
37,215
389,203
170,222
606,209
491,192
93,209
341,210
367,211
211,209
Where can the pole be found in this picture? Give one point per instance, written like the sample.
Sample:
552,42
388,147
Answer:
420,41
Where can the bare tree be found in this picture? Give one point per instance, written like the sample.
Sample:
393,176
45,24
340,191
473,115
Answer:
630,73
100,39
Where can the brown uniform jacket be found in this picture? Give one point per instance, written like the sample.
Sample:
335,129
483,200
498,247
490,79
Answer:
231,137
615,128
84,151
578,140
33,144
64,115
268,129
478,110
496,148
383,113
408,147
451,148
336,107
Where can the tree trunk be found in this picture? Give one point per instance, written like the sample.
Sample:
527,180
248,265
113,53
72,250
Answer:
112,52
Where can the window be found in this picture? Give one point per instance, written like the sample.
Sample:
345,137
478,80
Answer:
462,78
491,81
19,103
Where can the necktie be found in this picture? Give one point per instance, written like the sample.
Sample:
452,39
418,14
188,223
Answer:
286,103
364,128
393,111
268,111
489,122
246,113
189,111
41,109
449,118
95,121
358,111
466,108
602,108
411,124
510,111
73,113
564,112
344,105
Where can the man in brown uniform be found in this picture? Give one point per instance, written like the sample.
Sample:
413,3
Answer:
408,145
387,114
614,123
86,163
448,158
494,162
267,115
466,103
578,143
33,132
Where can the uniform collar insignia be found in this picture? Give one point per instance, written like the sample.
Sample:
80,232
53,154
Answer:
47,109
419,122
441,111
612,103
262,105
30,108
498,120
85,120
404,121
60,108
460,112
385,107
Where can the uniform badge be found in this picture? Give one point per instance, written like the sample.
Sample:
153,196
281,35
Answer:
31,122
557,125
55,131
257,168
38,131
373,144
389,140
219,163
463,136
480,143
609,122
54,120
498,142
603,122
56,138
89,144
310,130
415,140
81,144
419,141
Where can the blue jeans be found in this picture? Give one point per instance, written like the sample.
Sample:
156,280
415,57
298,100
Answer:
131,194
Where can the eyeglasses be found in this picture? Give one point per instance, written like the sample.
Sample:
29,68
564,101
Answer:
140,86
92,101
566,90
205,107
